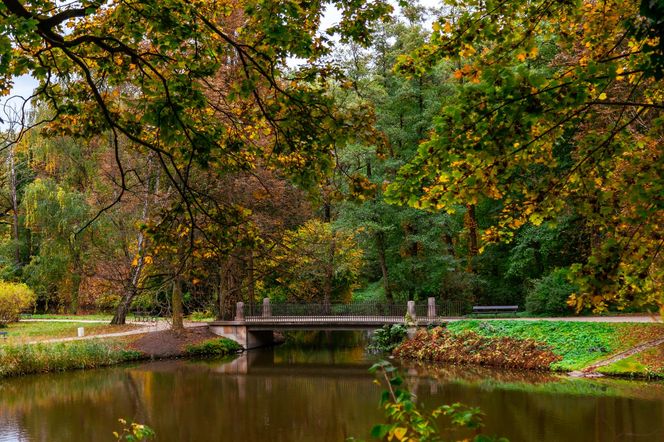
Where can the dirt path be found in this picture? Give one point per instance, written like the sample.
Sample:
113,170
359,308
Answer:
625,354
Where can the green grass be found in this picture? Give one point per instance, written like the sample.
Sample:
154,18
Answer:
373,292
91,317
578,343
627,366
215,347
16,360
22,332
649,364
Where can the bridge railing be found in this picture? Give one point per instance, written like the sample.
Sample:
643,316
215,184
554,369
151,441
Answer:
349,311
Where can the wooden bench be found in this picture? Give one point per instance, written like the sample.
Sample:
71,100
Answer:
495,309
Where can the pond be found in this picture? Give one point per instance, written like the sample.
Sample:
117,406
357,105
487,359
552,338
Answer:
314,392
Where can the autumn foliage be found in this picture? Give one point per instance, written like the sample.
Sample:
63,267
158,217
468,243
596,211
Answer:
439,345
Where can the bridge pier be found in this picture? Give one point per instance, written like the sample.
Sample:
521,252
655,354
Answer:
242,335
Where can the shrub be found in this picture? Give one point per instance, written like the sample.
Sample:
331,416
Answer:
550,293
215,347
203,316
14,298
387,338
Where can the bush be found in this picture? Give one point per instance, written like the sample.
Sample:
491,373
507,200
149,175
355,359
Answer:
387,338
14,298
216,347
550,293
198,316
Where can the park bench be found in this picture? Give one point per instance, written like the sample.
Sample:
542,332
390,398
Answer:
144,316
3,334
494,309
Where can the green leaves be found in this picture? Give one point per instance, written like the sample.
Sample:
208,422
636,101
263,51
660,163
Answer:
407,422
539,131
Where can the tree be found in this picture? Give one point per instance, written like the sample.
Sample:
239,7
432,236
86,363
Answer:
319,263
559,110
202,85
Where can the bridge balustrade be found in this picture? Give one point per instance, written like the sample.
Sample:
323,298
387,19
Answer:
364,311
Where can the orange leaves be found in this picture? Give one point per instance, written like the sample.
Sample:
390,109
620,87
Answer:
468,72
471,348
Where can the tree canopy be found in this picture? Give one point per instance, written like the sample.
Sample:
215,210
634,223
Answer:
204,152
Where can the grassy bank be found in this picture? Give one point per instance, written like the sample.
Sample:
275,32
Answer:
44,357
547,345
16,360
213,347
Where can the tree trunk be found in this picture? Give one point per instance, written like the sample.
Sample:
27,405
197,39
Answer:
471,225
13,183
176,306
329,276
229,288
132,288
251,287
380,246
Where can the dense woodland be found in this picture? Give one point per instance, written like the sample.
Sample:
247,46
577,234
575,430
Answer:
180,156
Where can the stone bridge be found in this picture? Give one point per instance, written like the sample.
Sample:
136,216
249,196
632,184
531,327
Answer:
254,326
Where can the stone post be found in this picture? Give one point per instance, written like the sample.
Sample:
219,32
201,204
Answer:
239,311
411,320
267,309
411,310
431,308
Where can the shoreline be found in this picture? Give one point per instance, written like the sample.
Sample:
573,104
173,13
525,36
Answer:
588,350
48,357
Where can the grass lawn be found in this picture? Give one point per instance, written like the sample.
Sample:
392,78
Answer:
578,343
22,332
92,317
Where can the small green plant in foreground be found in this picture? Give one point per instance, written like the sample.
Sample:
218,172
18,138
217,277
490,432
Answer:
216,347
133,432
405,422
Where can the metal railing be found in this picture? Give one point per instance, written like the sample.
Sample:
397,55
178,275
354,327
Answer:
360,311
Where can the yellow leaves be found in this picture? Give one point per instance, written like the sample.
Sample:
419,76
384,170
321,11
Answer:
467,51
602,96
524,54
398,433
536,219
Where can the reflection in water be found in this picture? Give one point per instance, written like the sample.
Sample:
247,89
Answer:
308,393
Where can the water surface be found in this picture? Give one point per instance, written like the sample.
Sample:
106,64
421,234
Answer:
305,393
